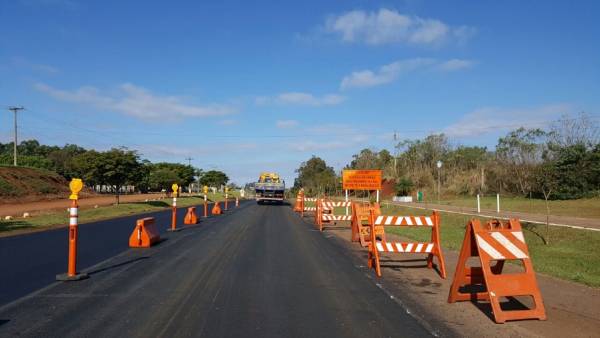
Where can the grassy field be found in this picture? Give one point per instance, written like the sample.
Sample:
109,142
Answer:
572,254
57,218
585,207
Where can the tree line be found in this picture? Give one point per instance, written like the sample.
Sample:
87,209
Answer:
114,168
561,161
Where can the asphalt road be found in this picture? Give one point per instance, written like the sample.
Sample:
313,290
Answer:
31,261
256,271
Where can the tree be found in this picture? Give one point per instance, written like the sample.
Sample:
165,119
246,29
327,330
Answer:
404,186
546,180
115,168
214,178
316,177
521,151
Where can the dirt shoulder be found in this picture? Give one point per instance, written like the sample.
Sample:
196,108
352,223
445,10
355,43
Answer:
573,310
39,207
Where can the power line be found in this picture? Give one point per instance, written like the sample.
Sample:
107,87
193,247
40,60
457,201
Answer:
15,109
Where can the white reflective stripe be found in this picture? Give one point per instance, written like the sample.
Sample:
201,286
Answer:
379,246
408,247
73,221
419,247
389,220
418,219
508,245
399,247
408,220
389,247
519,235
398,220
73,211
379,220
429,247
428,220
485,246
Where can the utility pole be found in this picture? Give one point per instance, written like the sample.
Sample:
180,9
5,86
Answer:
189,159
15,109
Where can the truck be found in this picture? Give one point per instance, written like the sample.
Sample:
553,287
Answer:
269,188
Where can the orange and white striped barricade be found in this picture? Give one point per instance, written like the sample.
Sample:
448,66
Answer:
431,248
360,231
306,208
325,213
496,243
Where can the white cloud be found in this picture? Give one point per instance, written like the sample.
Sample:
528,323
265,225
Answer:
341,142
299,98
390,72
455,64
493,119
179,151
227,122
37,67
282,124
388,26
135,101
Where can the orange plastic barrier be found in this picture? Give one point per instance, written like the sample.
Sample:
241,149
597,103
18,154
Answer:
325,212
496,242
144,234
431,248
190,216
360,231
216,210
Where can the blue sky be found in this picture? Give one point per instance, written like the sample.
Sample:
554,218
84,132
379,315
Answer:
251,86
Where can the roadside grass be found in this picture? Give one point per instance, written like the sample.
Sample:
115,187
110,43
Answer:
584,207
572,254
86,215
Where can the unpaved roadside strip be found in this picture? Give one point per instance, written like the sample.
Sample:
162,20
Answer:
490,216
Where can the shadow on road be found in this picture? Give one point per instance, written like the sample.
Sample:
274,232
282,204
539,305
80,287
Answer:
117,265
3,321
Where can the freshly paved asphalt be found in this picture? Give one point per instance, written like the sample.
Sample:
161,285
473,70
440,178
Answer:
256,271
31,261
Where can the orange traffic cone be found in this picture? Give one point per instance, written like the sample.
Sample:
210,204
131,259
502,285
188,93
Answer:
216,210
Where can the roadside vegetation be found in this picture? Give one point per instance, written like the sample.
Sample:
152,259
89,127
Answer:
112,171
54,219
532,169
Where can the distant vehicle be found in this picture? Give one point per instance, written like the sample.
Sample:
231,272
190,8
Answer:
269,188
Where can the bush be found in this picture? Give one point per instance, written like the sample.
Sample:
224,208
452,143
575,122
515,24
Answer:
404,187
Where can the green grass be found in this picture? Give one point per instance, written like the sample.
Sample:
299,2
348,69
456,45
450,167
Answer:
572,254
86,215
584,207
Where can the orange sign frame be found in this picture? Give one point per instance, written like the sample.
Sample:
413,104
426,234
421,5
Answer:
361,179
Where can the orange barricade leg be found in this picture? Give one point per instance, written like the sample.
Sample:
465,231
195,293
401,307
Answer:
494,244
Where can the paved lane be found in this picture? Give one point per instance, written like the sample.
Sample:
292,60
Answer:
259,271
29,262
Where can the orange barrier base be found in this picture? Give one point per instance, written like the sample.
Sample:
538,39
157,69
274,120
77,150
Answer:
145,234
190,217
216,210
